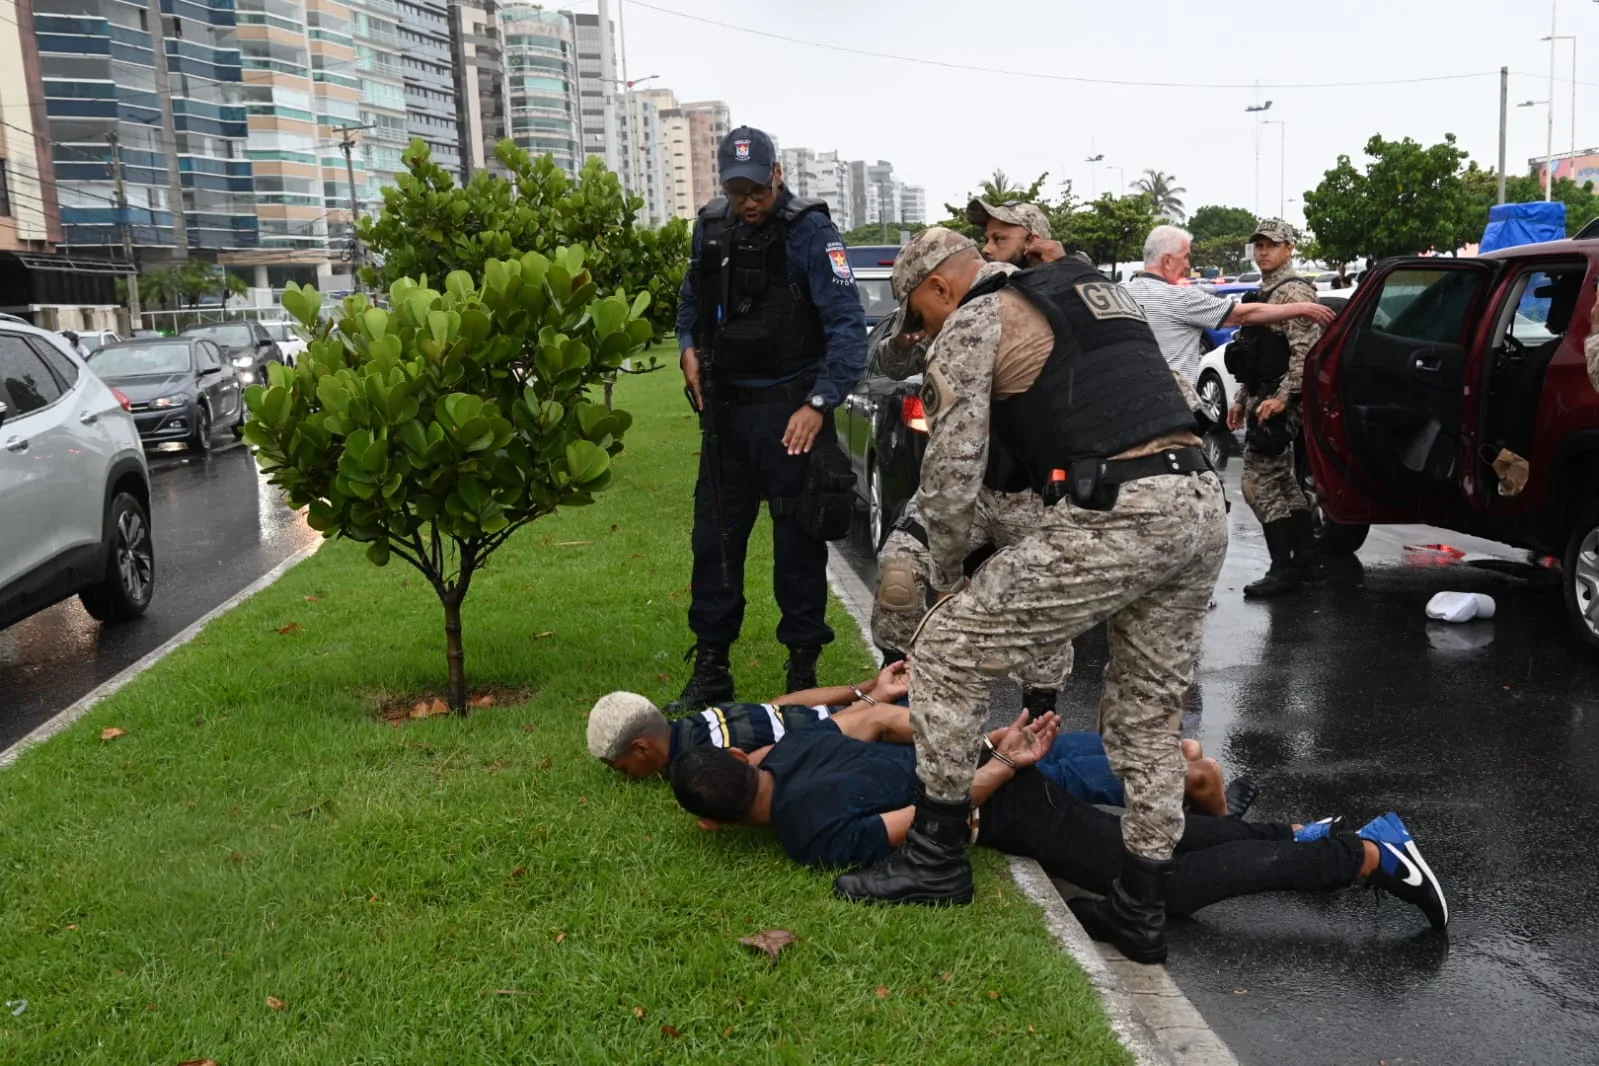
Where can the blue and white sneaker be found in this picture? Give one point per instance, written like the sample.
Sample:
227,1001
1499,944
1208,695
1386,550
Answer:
1401,869
1320,830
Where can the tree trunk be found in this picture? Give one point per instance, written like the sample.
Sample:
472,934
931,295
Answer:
455,653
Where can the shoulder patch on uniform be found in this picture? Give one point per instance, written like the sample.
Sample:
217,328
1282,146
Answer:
1107,299
936,393
839,257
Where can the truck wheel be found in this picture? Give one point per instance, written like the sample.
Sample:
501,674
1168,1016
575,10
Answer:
1580,577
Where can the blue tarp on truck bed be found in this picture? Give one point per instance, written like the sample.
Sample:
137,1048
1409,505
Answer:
1510,225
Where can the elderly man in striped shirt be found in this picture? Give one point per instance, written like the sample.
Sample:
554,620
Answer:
1179,313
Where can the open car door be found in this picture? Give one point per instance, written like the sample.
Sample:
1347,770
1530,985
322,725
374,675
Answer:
1385,391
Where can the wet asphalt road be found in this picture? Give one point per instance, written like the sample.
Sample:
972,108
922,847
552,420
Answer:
218,527
1484,737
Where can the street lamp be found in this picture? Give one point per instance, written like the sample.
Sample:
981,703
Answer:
1282,164
1251,110
1572,37
1548,166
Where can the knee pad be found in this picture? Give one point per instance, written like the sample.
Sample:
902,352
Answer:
897,587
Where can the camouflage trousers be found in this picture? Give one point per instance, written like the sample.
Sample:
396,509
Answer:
1147,568
1270,483
904,568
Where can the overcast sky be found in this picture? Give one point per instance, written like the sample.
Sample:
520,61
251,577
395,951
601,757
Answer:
947,129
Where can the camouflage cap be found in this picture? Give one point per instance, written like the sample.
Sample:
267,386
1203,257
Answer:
1030,217
1275,229
924,254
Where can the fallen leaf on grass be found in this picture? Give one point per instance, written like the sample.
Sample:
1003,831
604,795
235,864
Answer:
275,1003
112,733
482,701
544,763
664,678
993,994
559,937
290,629
198,1062
946,977
546,633
638,1012
527,727
73,928
317,806
727,1032
771,941
667,1030
571,543
274,826
882,992
310,599
519,871
582,801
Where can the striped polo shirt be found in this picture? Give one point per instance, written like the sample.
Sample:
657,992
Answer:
1177,314
745,726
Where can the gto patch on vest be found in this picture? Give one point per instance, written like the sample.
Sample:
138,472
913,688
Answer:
1106,299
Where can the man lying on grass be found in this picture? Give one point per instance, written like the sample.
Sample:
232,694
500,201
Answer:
629,733
840,794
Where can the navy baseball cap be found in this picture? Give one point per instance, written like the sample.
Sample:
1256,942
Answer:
746,153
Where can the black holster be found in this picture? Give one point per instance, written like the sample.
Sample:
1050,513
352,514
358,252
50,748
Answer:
825,507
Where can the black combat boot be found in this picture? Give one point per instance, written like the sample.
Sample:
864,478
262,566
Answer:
1307,557
712,681
1283,577
1132,917
1038,701
931,867
801,666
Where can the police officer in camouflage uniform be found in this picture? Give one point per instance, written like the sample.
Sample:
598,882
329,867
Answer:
1269,407
1015,232
1056,371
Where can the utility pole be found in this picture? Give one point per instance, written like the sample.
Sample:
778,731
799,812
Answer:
1549,154
357,254
1504,119
135,312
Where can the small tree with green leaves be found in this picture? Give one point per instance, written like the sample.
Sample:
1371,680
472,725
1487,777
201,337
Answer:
434,430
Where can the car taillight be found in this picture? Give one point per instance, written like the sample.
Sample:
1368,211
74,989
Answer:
885,262
122,398
914,414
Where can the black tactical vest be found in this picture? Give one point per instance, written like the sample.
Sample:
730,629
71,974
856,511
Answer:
1104,389
754,317
1259,355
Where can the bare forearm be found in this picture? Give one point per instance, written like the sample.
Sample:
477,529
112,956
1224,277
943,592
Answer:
831,696
990,776
1264,314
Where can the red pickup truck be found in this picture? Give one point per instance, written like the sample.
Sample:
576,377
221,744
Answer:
1435,366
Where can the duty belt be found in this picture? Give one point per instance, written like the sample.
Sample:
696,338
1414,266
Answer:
796,391
1169,461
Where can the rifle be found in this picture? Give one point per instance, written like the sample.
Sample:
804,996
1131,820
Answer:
710,442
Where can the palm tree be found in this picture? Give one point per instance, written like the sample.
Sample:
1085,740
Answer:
1162,191
997,190
157,288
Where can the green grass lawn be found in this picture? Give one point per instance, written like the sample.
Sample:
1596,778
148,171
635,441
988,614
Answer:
475,891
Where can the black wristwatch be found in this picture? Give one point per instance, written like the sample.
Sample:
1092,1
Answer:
818,403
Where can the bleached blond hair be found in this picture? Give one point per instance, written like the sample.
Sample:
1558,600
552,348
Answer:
618,719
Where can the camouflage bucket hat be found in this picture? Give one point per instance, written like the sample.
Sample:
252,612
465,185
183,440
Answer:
1275,229
1030,217
924,254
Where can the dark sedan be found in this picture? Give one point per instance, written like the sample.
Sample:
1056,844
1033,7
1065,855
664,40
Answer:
884,429
178,388
245,344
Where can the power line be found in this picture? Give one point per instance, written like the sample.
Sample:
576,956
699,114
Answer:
969,68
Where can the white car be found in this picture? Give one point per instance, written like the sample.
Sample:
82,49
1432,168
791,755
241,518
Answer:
1217,388
290,341
74,486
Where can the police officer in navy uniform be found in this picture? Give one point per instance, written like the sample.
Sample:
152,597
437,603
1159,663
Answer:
773,337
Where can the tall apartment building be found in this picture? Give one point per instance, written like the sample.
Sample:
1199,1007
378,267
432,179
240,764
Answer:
427,68
598,119
643,173
676,156
30,217
708,122
541,70
482,93
913,205
820,176
170,89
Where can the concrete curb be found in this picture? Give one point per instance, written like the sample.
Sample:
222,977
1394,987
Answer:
1147,1010
64,718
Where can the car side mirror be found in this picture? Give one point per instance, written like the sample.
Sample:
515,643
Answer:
209,370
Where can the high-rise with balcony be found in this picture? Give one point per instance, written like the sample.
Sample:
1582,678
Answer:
298,90
169,90
482,94
428,70
541,79
708,122
600,127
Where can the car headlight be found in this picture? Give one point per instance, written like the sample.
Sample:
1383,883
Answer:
242,361
247,377
169,401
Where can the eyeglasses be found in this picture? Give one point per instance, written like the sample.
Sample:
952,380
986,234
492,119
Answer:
741,192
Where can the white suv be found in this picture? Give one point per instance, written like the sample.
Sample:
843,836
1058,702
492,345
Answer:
74,486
